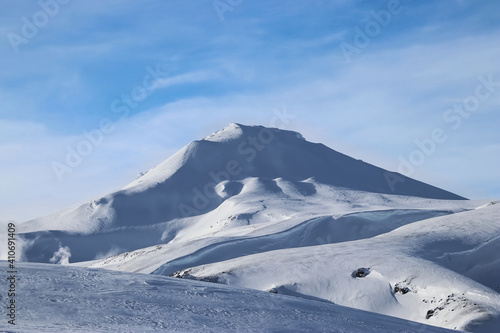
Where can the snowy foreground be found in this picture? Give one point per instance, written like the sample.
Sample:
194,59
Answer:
71,299
264,209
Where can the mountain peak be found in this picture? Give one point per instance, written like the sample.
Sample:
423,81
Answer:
230,132
235,131
271,153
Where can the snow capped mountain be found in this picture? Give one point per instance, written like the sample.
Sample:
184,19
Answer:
263,208
199,179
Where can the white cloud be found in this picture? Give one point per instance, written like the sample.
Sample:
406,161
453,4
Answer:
186,78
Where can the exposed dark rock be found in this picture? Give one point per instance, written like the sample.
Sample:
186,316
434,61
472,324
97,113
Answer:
186,274
181,274
273,290
361,272
401,290
213,279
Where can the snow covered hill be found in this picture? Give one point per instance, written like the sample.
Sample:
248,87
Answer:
265,209
63,299
421,271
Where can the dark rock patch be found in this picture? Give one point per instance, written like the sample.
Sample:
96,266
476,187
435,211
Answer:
361,272
401,290
273,290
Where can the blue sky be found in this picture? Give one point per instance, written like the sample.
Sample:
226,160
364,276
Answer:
67,66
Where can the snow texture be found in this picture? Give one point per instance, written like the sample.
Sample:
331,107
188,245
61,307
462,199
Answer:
62,299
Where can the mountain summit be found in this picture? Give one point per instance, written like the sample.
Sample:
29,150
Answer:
238,152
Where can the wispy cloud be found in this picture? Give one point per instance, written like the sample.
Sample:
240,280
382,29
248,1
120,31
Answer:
186,78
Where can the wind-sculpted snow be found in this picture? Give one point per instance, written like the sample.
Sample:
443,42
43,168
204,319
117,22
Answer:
406,271
247,225
260,207
62,299
320,230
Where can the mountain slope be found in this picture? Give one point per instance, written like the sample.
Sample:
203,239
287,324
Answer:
404,273
238,152
71,299
202,178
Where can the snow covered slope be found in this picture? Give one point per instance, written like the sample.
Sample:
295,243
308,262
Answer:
256,221
421,271
67,299
211,177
